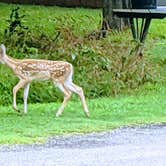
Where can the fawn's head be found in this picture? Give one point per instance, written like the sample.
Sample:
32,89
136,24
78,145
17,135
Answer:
2,53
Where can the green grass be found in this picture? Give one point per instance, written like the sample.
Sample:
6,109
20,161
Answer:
41,18
106,114
145,105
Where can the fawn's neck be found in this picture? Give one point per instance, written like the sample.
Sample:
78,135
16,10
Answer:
10,62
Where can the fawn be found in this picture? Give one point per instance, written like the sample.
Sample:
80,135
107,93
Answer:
59,72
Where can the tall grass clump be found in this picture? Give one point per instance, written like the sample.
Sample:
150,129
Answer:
103,66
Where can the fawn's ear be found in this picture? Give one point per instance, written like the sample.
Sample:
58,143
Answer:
3,49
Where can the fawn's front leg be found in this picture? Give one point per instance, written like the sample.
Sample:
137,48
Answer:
26,92
20,84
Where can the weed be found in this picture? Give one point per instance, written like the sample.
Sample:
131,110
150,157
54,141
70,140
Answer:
15,33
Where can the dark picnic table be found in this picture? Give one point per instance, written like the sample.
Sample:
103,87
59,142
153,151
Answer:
146,15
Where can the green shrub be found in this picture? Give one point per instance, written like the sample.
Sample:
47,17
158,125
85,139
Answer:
102,67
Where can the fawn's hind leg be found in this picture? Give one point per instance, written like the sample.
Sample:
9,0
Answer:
79,91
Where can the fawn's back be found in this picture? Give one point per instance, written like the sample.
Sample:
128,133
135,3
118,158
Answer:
42,69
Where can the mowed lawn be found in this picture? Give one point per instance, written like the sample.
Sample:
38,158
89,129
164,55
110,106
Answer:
106,114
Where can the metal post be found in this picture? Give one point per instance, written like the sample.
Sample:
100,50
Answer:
145,30
142,27
137,28
133,27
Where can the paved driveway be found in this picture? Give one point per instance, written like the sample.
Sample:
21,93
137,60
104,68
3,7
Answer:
141,146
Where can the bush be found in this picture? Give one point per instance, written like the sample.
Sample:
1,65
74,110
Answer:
102,67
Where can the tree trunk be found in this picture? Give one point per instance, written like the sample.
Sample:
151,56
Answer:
109,19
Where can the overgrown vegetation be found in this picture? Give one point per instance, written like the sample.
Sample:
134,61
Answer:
103,67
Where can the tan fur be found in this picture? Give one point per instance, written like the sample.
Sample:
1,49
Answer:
27,70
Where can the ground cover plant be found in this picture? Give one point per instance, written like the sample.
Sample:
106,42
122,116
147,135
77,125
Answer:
122,89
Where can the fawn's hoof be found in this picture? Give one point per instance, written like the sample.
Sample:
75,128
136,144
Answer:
58,114
88,114
16,109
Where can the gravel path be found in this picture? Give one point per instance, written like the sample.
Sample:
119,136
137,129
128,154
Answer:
139,146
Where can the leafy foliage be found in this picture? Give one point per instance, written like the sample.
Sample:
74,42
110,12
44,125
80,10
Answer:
15,34
103,67
15,23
